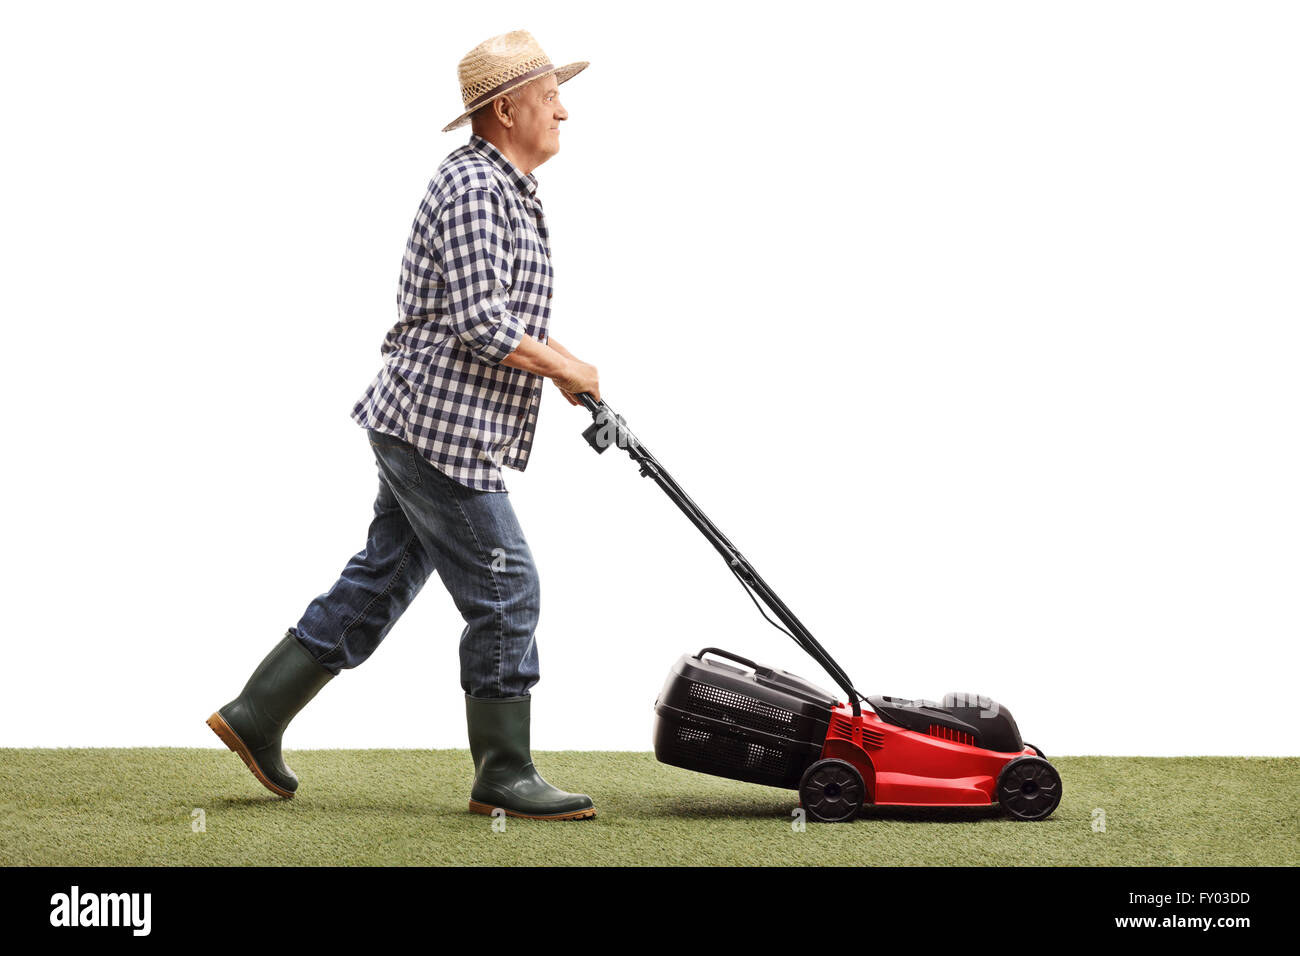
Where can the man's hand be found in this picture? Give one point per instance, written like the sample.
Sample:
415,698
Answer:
577,377
571,397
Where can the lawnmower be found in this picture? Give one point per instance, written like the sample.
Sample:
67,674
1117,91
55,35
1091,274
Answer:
768,726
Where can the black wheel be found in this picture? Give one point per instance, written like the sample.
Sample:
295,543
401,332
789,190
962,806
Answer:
831,791
1037,750
1029,788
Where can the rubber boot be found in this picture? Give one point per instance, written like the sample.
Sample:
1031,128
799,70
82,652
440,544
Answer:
504,775
251,725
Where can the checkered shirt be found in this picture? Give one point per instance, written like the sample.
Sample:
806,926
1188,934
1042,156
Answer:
475,278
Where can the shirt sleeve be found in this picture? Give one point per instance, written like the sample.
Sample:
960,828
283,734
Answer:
474,239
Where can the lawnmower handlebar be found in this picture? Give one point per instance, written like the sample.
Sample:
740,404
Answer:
597,435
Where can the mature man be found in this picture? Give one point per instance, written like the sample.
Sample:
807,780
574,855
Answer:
456,400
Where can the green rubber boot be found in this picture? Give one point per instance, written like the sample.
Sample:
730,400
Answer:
504,775
251,725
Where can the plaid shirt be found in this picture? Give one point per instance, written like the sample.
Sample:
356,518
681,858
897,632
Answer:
475,278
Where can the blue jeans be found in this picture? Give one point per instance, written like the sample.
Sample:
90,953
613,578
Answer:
426,522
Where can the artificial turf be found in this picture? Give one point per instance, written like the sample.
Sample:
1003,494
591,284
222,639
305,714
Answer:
108,807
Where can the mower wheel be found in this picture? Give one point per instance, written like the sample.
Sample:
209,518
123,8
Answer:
831,791
1036,749
1029,788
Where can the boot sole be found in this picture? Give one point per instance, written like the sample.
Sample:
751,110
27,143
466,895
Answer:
487,808
231,740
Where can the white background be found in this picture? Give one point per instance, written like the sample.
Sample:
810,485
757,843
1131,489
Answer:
974,325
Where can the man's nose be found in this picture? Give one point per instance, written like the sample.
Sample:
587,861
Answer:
560,112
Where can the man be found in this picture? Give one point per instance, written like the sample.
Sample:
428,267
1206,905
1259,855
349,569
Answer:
456,400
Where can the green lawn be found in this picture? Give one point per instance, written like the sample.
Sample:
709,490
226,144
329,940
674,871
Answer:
386,807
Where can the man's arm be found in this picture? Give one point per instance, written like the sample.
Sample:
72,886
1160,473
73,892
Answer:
554,361
473,238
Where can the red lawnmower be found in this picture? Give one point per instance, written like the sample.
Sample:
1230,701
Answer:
768,726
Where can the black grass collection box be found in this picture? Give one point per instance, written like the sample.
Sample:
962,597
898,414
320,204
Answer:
750,723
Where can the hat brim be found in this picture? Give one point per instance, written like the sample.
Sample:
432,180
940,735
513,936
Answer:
562,75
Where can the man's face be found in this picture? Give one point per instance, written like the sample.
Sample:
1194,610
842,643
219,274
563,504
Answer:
537,127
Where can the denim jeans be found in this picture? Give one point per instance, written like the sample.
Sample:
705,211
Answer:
426,522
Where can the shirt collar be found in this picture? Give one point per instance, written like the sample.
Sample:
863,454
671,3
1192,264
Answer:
526,183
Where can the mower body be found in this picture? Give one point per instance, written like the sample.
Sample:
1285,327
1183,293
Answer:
768,726
935,767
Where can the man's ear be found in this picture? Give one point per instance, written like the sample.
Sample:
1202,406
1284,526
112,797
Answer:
503,109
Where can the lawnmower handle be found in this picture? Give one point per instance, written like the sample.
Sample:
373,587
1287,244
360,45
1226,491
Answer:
598,438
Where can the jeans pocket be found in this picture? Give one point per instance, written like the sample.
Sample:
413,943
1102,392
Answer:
400,457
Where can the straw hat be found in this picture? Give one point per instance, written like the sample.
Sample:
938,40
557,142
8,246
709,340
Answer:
502,64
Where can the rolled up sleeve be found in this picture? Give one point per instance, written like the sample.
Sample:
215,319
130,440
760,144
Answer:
475,241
